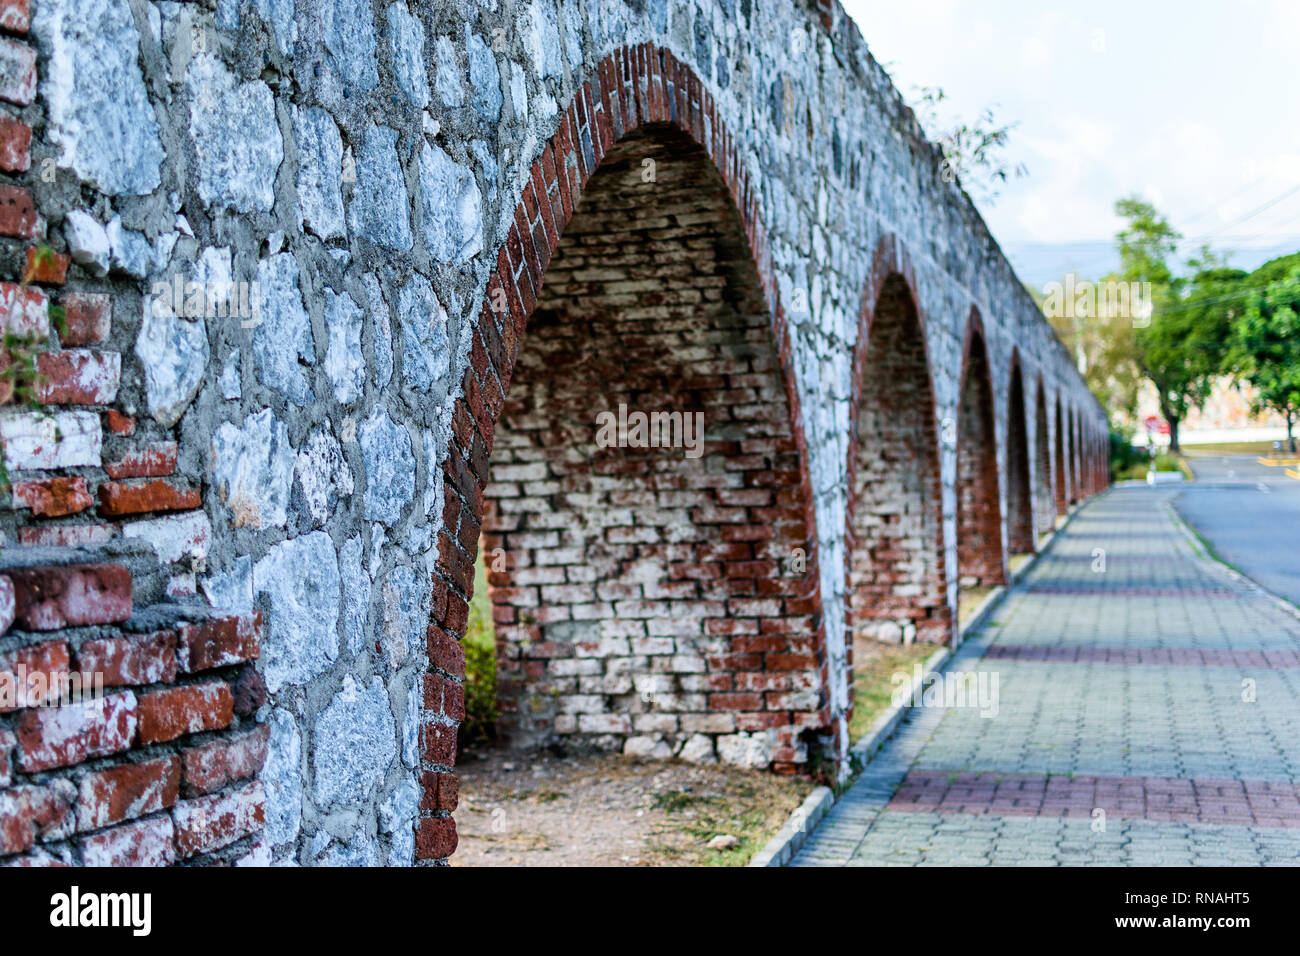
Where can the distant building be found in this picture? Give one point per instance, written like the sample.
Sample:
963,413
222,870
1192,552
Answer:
1226,417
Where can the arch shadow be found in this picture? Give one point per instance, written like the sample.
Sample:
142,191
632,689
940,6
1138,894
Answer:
981,562
1044,500
1020,507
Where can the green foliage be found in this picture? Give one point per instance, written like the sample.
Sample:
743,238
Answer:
1123,456
480,664
873,687
1145,243
1182,347
44,256
59,319
19,379
972,152
1106,355
1265,346
19,372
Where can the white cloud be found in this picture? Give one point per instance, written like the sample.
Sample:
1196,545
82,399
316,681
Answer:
1115,97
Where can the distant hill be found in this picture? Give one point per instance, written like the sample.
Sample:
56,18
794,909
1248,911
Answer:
1275,269
1038,263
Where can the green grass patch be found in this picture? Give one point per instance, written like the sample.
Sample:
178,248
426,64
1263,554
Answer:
873,666
1235,448
701,818
480,664
1164,462
969,601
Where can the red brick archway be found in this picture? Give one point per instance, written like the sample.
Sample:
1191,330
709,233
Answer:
1088,452
1044,503
980,561
1072,433
894,537
1062,470
1020,505
758,665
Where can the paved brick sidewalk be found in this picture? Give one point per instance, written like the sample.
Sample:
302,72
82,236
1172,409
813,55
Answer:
1147,713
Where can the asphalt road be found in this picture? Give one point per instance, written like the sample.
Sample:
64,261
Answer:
1250,513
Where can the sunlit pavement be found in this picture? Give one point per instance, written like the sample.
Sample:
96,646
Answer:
1143,708
1249,513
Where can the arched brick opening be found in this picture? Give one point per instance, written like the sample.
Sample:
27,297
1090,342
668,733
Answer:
1072,432
1020,506
1044,503
650,593
1099,460
1083,459
687,618
897,578
1103,460
980,560
1062,484
1089,461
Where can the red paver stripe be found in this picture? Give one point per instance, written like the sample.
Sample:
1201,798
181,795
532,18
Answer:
1240,802
1128,591
1156,656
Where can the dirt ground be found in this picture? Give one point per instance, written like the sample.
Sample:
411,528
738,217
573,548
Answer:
538,809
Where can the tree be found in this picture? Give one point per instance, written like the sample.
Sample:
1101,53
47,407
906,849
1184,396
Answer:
1265,347
972,152
1104,350
1181,346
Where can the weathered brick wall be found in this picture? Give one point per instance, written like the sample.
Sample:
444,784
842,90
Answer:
392,180
128,728
128,736
1073,455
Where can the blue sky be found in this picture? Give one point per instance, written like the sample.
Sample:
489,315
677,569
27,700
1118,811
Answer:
1195,105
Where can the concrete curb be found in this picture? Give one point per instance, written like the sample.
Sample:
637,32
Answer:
792,836
782,847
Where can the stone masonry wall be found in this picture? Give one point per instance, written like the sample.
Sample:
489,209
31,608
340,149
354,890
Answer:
298,246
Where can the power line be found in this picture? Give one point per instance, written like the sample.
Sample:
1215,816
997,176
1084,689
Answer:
1209,209
1254,212
1091,264
1215,300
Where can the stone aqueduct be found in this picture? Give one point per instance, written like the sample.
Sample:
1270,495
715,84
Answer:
469,228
